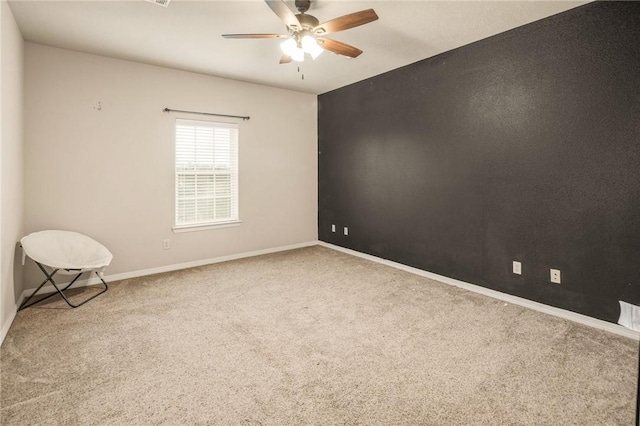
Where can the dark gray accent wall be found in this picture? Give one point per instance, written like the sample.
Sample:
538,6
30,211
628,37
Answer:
523,146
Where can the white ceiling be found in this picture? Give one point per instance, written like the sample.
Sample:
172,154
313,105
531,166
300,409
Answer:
187,34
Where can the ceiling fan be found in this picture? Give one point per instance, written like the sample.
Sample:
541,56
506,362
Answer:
306,33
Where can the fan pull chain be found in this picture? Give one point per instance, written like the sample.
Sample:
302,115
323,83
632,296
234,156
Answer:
299,72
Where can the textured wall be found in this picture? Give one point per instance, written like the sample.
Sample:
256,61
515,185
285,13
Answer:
524,146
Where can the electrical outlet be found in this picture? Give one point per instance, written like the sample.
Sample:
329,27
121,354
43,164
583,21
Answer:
166,244
333,228
517,267
346,231
555,275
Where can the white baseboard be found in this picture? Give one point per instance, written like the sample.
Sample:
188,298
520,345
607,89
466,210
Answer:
551,310
93,280
562,313
7,325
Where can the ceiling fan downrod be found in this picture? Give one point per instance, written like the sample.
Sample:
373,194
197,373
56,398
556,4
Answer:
303,5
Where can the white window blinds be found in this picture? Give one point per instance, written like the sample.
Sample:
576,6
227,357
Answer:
206,173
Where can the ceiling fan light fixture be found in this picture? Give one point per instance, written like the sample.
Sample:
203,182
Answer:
310,45
290,48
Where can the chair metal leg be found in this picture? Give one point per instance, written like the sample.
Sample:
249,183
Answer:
106,287
59,291
49,278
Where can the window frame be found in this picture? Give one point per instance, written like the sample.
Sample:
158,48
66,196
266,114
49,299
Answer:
235,198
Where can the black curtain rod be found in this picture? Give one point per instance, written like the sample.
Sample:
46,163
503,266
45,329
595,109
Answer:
207,113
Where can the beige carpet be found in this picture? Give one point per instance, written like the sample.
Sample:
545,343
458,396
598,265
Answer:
310,336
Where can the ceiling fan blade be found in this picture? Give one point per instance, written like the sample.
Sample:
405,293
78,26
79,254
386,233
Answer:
347,21
285,59
254,36
339,47
287,16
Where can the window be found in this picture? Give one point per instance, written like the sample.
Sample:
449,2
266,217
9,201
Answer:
206,173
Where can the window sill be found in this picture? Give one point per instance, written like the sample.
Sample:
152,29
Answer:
206,226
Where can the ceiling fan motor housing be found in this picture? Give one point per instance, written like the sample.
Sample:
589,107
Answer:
308,22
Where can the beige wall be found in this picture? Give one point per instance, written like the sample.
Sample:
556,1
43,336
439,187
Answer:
11,164
109,173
